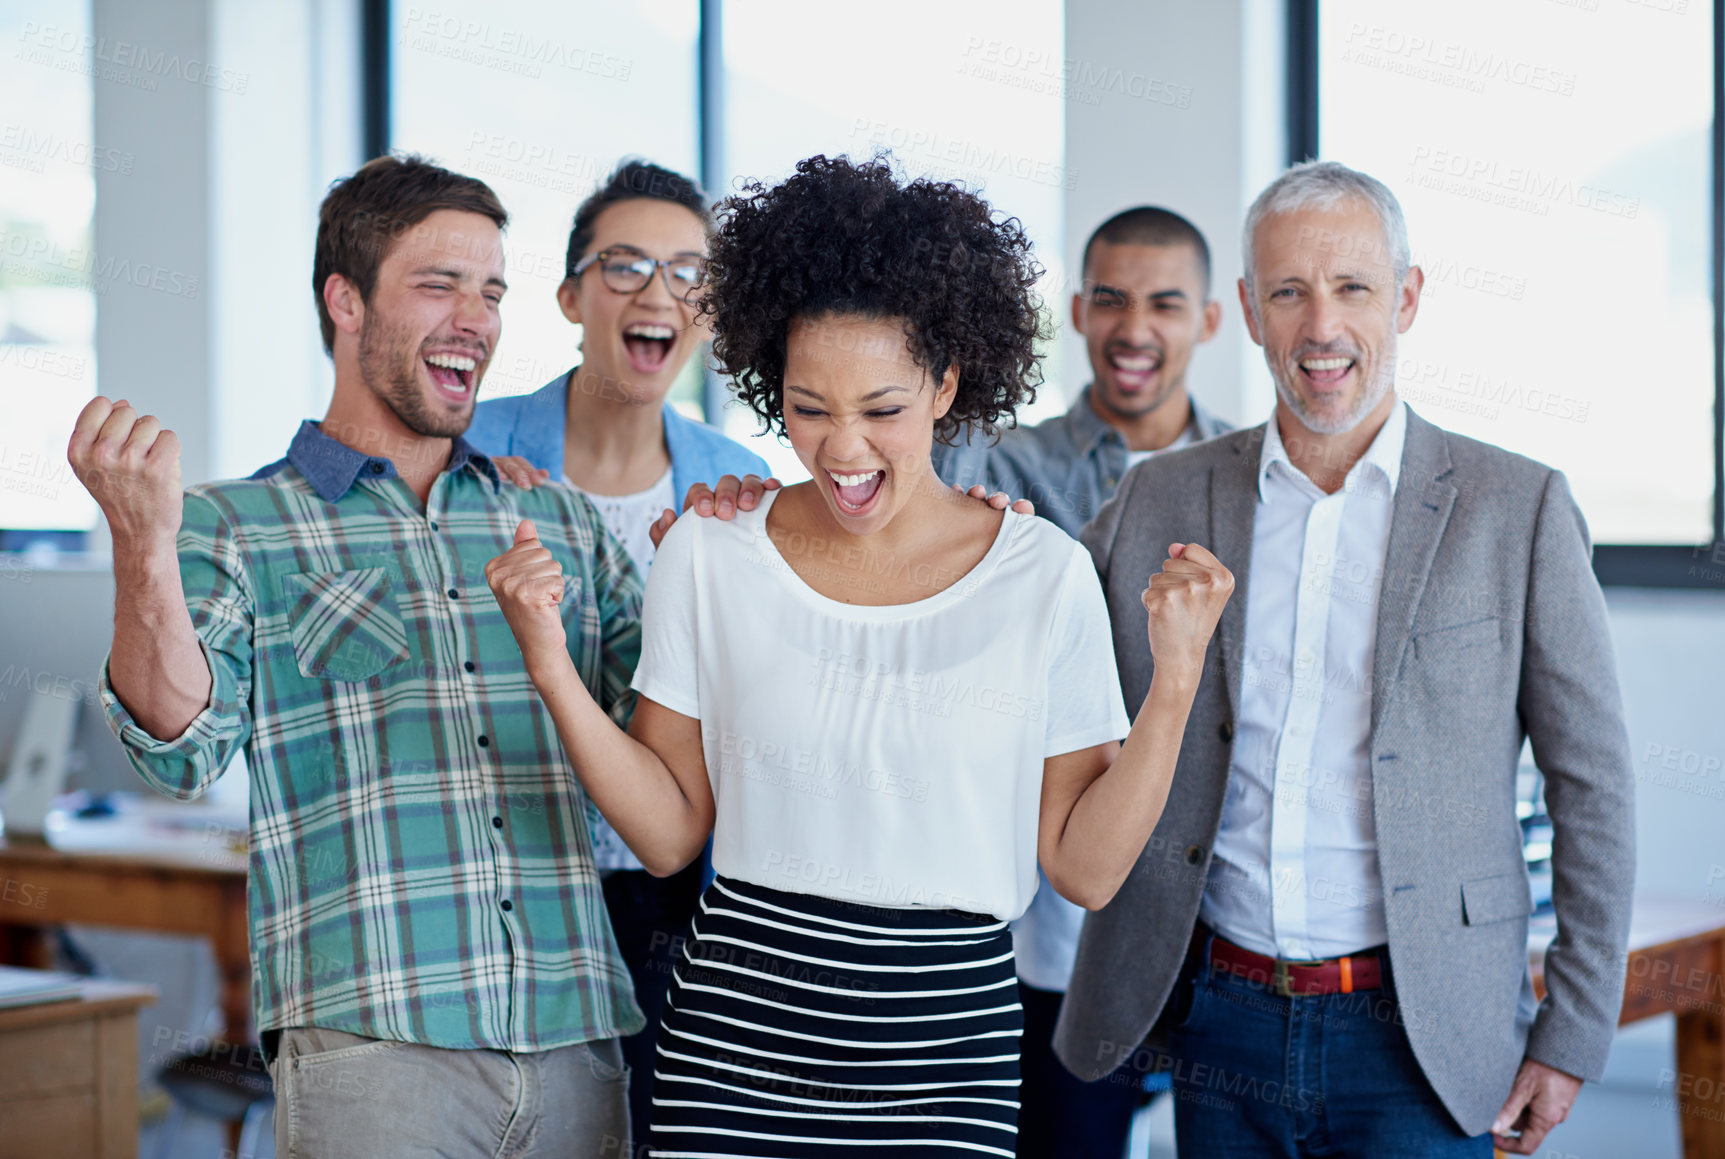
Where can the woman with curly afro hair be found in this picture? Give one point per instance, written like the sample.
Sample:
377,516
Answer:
885,701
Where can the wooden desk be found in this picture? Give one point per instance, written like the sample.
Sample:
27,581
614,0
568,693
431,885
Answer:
41,886
1676,965
69,1075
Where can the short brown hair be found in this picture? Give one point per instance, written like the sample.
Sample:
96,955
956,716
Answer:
361,215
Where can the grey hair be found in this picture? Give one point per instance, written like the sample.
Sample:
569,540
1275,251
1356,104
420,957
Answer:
1322,185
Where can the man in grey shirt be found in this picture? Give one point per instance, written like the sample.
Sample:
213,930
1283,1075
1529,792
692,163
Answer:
1144,306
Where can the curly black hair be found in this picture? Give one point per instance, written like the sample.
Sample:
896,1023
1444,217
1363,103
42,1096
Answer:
849,238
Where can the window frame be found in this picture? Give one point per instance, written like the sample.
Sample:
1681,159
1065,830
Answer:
1646,565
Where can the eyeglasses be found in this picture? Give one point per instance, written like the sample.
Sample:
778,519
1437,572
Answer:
627,271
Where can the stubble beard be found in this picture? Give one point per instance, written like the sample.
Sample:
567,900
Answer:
1116,403
389,366
1379,386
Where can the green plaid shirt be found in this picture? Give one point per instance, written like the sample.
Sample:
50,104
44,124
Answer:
420,863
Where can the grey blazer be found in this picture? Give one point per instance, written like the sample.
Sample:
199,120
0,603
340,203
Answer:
1491,627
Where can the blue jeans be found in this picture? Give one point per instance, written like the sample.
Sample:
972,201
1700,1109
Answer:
1256,1074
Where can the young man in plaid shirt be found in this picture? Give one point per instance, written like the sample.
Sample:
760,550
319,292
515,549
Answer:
433,967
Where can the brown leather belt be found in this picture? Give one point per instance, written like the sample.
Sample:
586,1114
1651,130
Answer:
1298,979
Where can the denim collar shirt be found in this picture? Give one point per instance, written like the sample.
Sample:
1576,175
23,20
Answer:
420,863
533,426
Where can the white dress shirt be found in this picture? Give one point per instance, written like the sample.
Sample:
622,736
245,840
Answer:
1184,439
1295,873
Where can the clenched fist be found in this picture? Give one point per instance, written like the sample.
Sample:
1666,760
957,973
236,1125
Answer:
131,467
528,584
1185,600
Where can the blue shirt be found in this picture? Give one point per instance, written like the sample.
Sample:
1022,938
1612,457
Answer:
1068,466
532,426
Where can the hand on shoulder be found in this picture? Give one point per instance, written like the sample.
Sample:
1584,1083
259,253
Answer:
520,472
998,500
724,501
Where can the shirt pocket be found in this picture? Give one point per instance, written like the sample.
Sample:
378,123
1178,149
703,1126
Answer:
344,624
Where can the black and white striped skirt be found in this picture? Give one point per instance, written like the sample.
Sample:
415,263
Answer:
800,1026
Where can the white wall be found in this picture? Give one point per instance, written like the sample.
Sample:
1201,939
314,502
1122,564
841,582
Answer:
274,151
232,161
1669,645
152,345
1205,135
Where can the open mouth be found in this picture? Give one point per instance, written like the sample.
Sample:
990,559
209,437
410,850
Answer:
648,345
1133,369
453,374
1326,373
856,493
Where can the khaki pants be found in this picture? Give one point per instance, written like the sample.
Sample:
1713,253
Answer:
340,1095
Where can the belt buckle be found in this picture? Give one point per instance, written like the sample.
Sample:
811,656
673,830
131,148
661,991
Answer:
1284,983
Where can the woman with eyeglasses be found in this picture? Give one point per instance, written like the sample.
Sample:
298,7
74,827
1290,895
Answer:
885,701
636,260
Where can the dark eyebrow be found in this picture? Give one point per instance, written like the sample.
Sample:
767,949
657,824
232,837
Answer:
1159,295
874,394
456,275
635,249
869,397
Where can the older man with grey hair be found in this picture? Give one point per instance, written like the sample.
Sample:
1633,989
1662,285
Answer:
1327,932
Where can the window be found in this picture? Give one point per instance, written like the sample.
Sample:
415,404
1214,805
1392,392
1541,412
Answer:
980,102
1558,192
48,275
530,103
540,100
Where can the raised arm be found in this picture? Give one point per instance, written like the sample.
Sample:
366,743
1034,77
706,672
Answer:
131,467
651,782
1100,804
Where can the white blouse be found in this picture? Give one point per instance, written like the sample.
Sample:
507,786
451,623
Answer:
887,755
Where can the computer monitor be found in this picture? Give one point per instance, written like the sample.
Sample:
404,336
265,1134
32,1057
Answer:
56,625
